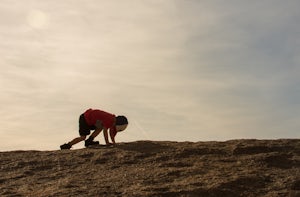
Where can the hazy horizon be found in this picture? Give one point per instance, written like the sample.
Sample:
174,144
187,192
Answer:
179,70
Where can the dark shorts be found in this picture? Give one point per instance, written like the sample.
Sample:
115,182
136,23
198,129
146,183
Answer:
84,128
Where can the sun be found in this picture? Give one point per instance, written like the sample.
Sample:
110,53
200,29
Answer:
37,19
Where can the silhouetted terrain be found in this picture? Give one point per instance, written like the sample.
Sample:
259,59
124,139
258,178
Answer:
150,168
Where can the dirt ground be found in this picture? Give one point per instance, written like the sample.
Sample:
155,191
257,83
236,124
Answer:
151,168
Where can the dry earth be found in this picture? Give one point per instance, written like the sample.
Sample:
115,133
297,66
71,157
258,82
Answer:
150,168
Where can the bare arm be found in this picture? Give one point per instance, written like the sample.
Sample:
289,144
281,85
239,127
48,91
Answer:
112,136
105,135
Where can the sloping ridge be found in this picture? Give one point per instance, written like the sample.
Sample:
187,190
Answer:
152,168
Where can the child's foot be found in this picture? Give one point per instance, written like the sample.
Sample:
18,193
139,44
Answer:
65,146
90,142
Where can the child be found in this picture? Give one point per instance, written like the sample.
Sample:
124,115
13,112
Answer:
94,119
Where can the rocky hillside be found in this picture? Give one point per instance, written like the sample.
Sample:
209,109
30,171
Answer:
150,168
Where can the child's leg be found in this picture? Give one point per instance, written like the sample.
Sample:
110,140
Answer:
74,141
95,133
77,140
84,130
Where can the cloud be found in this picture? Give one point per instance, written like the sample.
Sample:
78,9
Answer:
242,61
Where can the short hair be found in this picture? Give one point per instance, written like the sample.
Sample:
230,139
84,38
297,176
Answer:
121,120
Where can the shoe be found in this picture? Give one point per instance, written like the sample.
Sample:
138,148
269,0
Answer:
65,146
90,143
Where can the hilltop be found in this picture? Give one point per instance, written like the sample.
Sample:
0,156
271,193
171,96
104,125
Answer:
157,168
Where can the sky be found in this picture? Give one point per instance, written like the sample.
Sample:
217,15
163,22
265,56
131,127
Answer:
180,70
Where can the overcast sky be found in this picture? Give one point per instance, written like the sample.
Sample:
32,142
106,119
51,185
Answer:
182,70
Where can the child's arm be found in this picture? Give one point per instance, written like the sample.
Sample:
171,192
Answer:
105,135
112,135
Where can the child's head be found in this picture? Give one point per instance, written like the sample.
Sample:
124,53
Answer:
121,123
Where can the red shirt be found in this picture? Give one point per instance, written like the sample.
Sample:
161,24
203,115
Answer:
108,120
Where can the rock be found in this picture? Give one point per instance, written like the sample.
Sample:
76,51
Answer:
151,168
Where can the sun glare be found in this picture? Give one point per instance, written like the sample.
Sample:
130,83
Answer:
37,19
